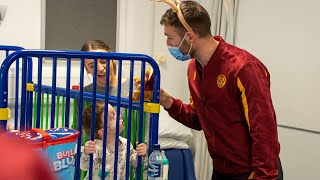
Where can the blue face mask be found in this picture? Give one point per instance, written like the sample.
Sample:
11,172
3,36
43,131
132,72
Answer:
176,53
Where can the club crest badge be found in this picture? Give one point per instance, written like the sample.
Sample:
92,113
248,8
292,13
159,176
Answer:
221,80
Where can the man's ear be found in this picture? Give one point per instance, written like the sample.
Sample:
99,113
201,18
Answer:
190,37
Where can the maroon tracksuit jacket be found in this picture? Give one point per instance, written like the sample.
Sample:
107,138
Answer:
231,102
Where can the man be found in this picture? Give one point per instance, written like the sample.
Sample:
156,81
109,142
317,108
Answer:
230,97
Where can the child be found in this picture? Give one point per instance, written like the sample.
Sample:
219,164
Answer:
95,147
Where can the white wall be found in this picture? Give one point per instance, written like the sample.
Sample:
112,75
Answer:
23,26
20,27
22,23
284,35
140,32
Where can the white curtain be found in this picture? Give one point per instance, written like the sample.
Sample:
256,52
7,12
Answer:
223,15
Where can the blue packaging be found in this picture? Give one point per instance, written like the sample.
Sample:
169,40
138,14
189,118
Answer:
58,145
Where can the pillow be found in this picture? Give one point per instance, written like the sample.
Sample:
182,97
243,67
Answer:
170,128
169,143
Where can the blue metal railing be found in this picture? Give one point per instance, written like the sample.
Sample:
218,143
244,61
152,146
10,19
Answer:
82,96
8,50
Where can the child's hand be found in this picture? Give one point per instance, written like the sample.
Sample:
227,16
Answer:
10,127
141,149
90,147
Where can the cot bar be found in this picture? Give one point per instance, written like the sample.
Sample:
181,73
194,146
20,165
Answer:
29,94
47,111
129,119
87,96
154,117
93,114
67,111
117,122
16,104
54,85
31,110
57,111
23,96
80,118
30,105
105,121
143,75
38,89
10,48
34,109
4,110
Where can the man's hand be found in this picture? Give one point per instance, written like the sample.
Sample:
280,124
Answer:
165,99
90,147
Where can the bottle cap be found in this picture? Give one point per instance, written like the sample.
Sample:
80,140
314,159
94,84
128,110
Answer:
165,161
156,147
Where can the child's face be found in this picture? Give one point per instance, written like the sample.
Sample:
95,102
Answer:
101,68
112,117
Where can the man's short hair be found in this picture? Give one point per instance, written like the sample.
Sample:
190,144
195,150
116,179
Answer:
194,14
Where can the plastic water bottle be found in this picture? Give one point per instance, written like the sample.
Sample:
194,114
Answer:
165,166
155,164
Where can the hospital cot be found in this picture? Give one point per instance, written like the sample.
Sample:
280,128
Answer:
35,98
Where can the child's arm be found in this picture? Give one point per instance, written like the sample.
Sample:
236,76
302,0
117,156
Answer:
89,148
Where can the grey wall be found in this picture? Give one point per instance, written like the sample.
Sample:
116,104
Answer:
68,24
299,154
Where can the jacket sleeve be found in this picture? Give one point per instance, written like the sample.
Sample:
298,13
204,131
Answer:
253,82
185,114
